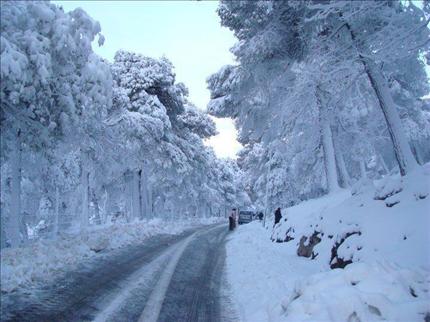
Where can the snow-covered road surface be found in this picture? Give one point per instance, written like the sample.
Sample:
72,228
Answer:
168,278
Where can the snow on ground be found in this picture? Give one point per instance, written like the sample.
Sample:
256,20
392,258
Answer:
260,272
389,278
42,260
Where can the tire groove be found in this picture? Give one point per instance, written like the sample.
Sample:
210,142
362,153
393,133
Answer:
74,297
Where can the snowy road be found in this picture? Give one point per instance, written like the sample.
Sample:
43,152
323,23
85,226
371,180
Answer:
168,278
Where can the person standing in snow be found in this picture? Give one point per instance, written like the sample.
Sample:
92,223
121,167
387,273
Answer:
278,216
233,216
230,222
260,216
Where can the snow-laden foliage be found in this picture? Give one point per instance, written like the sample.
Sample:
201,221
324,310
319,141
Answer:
87,142
324,94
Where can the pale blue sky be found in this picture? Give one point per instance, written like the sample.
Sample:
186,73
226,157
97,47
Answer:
188,33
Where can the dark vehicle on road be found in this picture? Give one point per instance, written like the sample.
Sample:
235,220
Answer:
245,216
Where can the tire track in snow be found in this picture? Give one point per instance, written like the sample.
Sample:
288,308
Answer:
137,280
133,284
197,290
79,295
155,301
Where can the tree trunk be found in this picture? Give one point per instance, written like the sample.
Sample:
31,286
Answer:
57,211
3,238
402,150
128,177
344,172
136,198
108,208
162,207
417,154
384,165
345,179
85,180
95,201
330,160
206,210
363,170
266,206
144,193
150,202
327,142
105,203
15,207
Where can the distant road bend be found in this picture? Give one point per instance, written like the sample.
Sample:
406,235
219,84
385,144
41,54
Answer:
168,278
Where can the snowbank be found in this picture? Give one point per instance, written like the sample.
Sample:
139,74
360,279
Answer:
40,261
260,272
360,292
380,236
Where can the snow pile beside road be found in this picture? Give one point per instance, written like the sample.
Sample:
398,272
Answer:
261,272
360,292
44,259
380,236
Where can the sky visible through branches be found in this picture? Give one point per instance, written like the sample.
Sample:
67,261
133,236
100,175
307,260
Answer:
188,33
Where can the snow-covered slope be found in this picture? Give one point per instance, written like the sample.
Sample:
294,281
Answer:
388,245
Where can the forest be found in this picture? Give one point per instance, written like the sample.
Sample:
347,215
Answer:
324,96
88,142
114,203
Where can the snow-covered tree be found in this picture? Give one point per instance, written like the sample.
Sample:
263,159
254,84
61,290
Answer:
312,83
86,142
377,32
44,54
